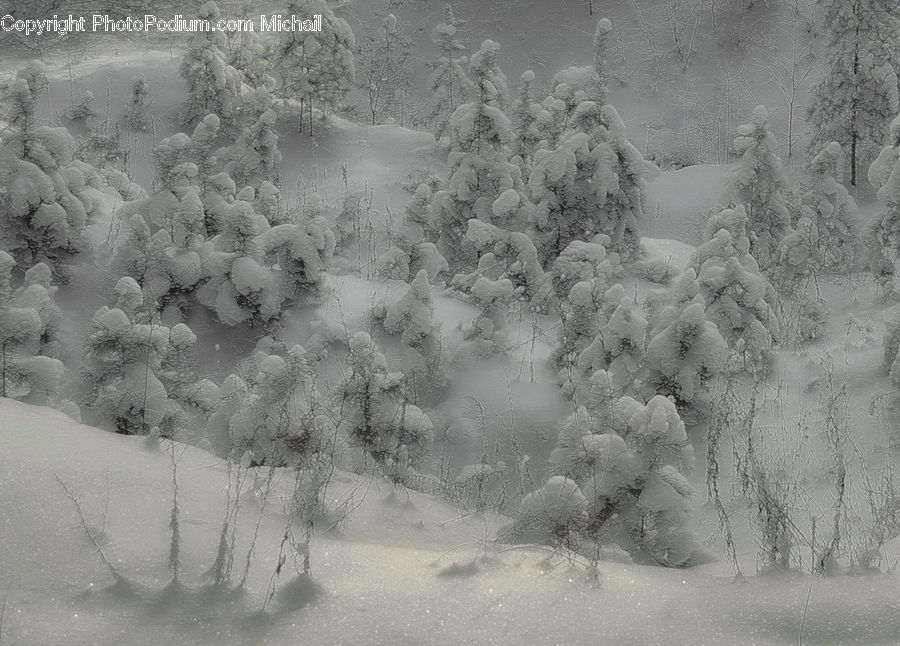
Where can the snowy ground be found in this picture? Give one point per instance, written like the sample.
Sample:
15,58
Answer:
403,569
407,568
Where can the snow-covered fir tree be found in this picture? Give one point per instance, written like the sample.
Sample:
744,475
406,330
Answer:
213,84
852,103
616,478
315,69
686,352
493,299
448,82
121,361
583,280
757,182
502,254
41,220
254,157
240,288
592,181
28,316
281,418
375,413
135,114
483,182
255,269
584,261
191,398
832,211
21,95
164,241
411,249
38,291
882,234
297,252
526,120
410,316
619,345
739,298
248,56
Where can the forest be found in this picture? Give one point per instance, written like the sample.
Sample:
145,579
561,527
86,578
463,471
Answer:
346,335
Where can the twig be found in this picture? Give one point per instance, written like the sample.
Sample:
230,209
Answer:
112,569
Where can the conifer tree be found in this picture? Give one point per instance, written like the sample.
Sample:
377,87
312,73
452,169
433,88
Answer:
375,413
122,358
411,249
26,317
315,69
213,84
615,476
852,104
592,180
254,157
882,235
448,81
832,212
758,183
686,351
740,300
483,183
136,113
281,417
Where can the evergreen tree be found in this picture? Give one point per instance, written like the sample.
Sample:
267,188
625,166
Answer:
191,398
213,84
493,298
37,291
882,235
526,121
254,157
592,180
852,104
248,56
315,69
122,359
241,289
619,346
583,282
758,183
21,95
502,254
832,211
165,246
41,220
374,411
26,316
296,253
483,183
686,352
281,417
136,113
448,81
615,476
739,298
411,250
410,317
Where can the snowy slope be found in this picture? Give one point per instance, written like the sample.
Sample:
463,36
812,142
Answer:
387,578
